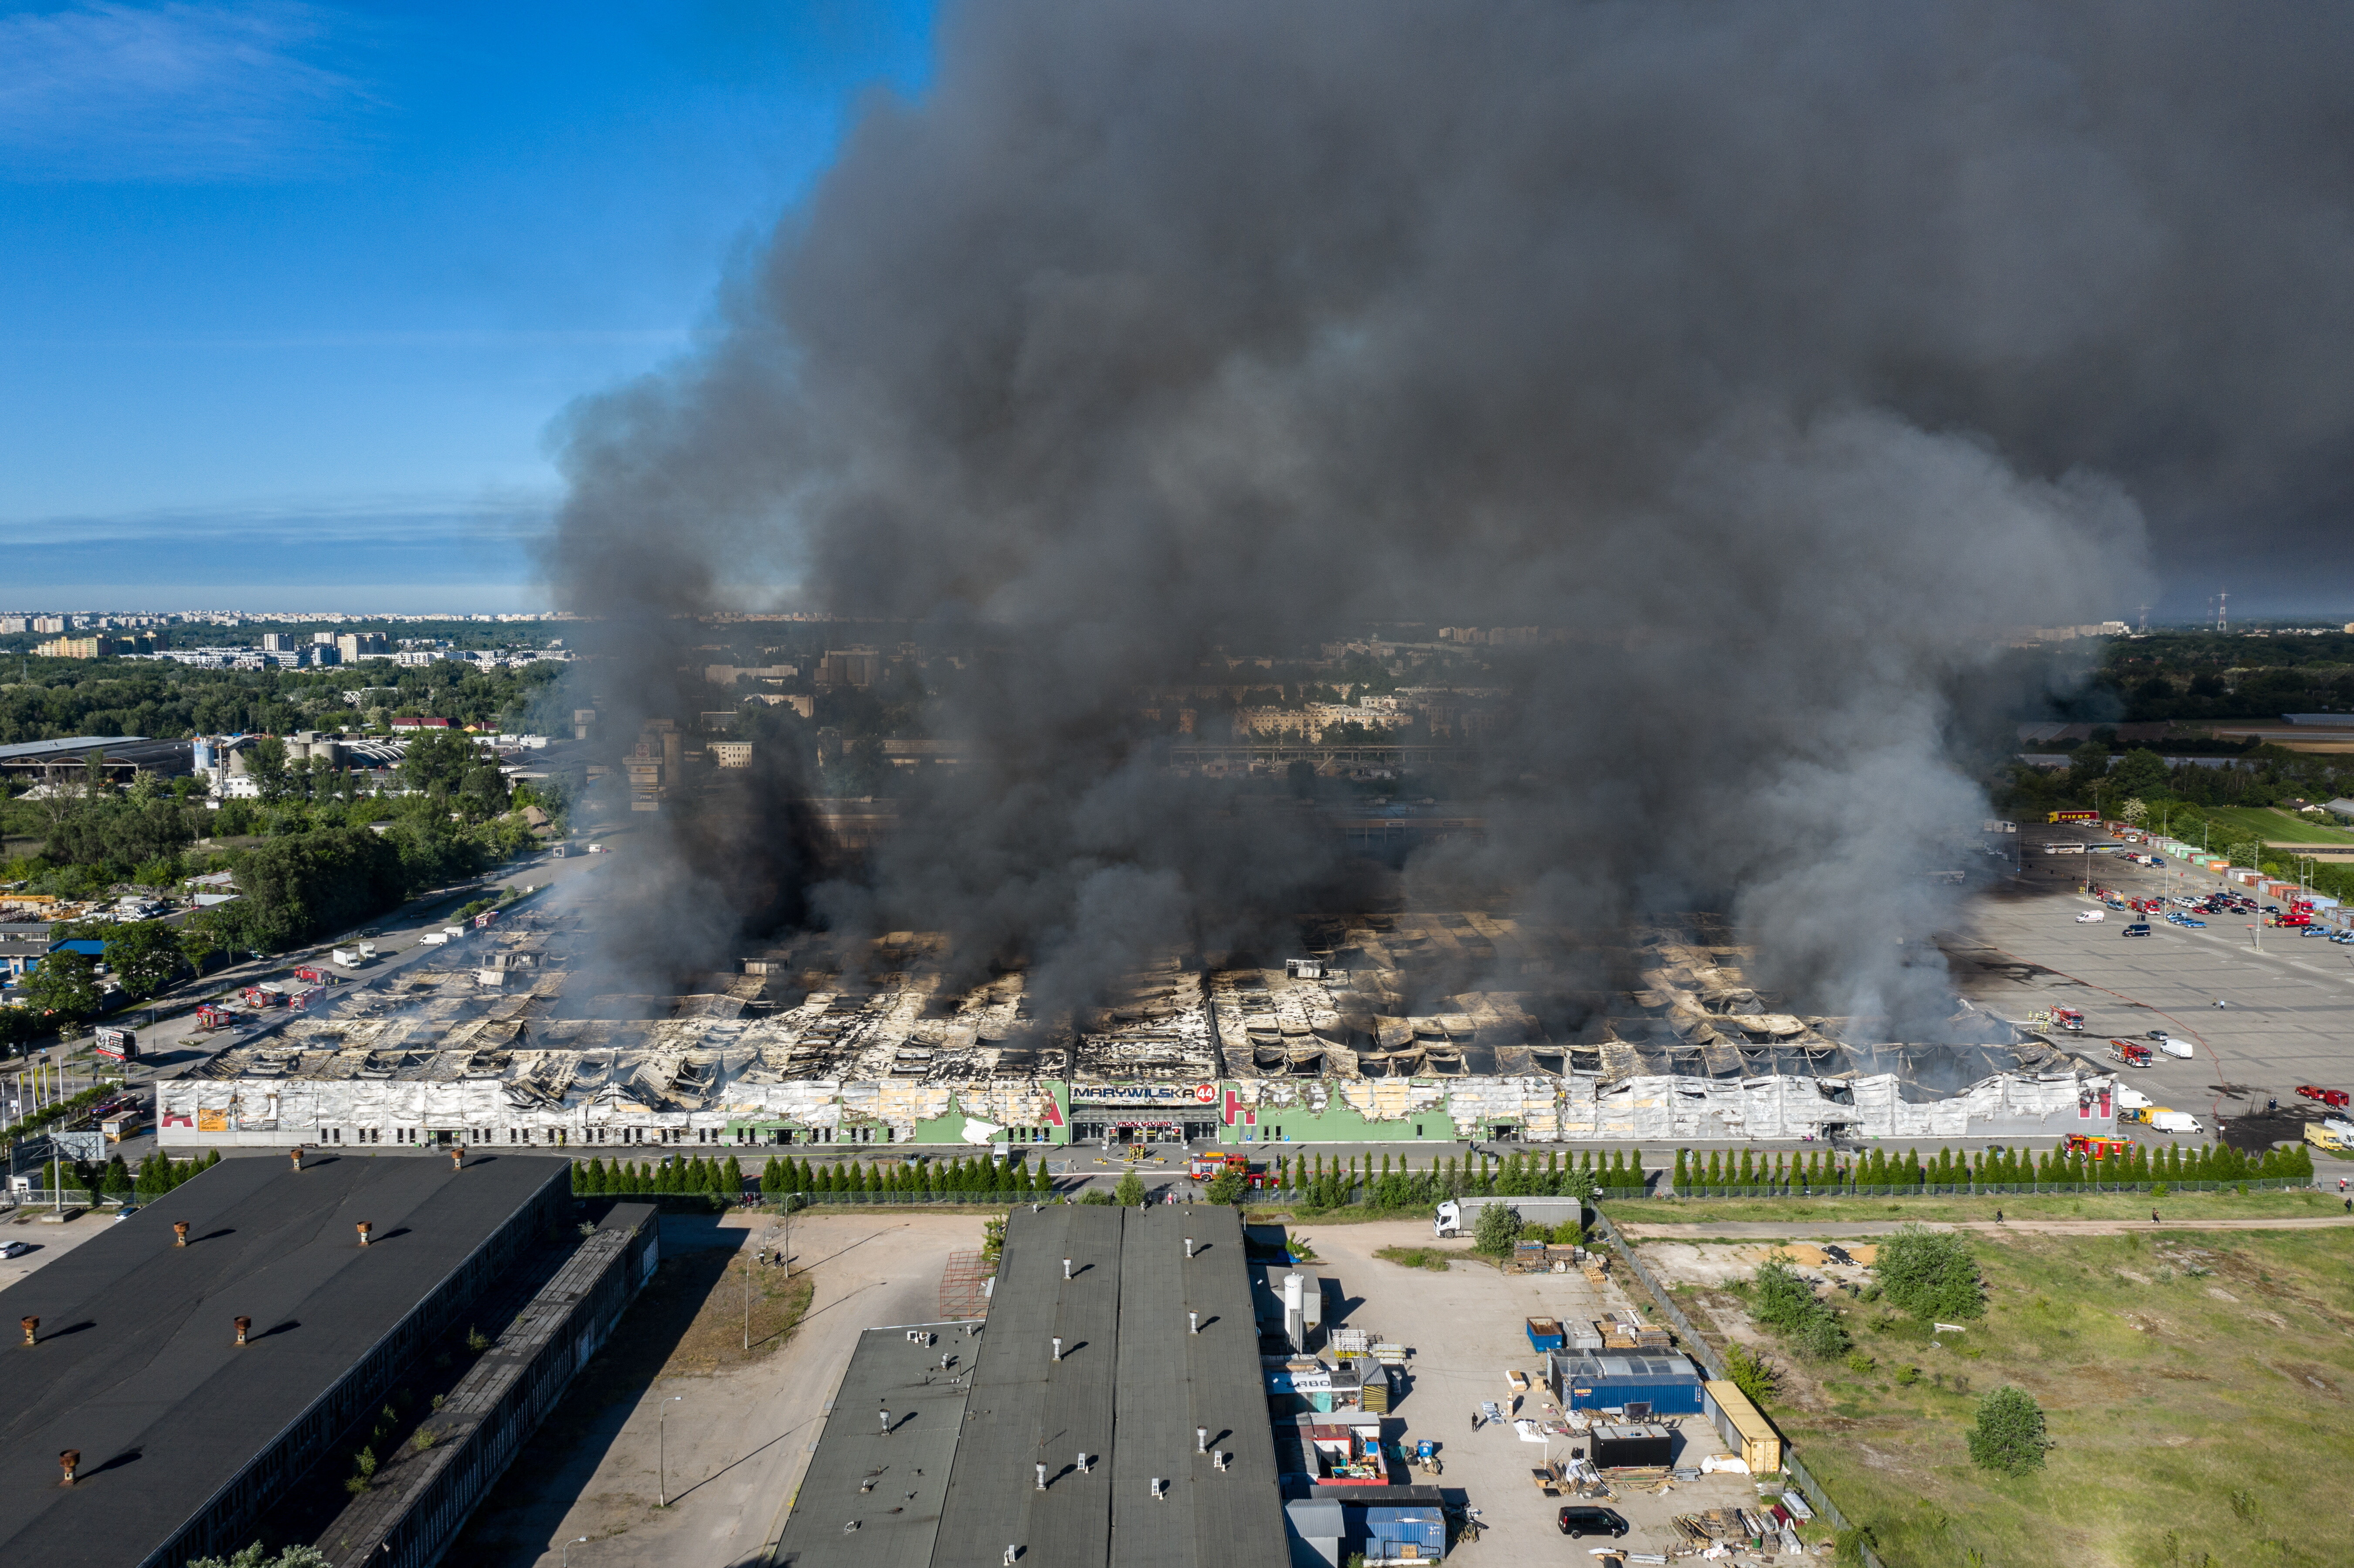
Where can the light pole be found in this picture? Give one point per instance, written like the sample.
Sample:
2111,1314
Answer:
747,1302
662,1450
563,1558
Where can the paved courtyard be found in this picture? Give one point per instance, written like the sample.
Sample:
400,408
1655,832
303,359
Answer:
1466,1328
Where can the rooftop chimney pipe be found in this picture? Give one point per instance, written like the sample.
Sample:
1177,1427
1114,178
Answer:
179,1232
1066,1268
297,1152
32,1327
244,1325
1193,1323
1201,1439
457,1159
363,1227
1058,1347
1189,1246
1083,1461
70,1461
1042,1478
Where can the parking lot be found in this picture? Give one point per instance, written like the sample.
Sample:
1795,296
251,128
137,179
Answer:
1466,1328
2288,1012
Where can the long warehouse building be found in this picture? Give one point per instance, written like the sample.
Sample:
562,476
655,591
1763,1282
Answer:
1408,1028
1110,1412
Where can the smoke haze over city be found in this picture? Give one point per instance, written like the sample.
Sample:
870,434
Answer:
1776,357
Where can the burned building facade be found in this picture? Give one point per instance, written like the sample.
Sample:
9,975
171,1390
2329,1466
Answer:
503,1045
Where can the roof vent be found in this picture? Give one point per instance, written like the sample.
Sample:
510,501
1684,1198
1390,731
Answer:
1201,1439
297,1152
70,1461
1192,1322
32,1327
1066,1268
1189,1246
457,1159
244,1327
1058,1347
179,1232
364,1228
1042,1478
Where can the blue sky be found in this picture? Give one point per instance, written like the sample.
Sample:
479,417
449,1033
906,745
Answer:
290,294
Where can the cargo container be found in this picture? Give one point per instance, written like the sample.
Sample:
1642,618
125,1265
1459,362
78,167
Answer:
1412,1534
1644,1386
1744,1431
1630,1447
1544,1334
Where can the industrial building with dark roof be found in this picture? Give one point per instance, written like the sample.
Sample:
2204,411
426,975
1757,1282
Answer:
1110,1413
184,1435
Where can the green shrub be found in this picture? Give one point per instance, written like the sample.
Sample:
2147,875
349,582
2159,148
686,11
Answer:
1130,1190
1752,1374
1785,1303
1930,1274
2008,1436
1494,1232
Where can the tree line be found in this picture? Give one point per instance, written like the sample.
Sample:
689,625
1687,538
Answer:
1760,1173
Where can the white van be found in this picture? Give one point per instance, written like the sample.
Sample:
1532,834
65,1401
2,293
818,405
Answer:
2174,1121
2174,1047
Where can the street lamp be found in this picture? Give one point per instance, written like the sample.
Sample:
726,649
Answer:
563,1558
662,1450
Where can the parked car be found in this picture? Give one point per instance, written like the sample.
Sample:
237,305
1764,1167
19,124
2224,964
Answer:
2190,920
1578,1521
125,1212
15,1248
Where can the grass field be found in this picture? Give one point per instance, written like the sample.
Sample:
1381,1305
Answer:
1701,1213
2268,824
2197,1386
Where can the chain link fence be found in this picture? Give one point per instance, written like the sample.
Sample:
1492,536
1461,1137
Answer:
1706,1354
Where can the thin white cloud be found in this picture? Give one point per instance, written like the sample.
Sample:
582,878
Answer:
423,338
500,517
172,92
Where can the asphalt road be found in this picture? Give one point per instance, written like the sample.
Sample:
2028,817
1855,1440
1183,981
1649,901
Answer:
2288,1017
173,1044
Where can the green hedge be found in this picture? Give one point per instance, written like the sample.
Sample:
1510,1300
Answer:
1880,1173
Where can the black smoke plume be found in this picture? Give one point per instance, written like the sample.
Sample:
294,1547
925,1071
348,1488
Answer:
1781,355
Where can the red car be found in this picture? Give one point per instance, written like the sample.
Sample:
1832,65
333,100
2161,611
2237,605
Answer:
2327,1097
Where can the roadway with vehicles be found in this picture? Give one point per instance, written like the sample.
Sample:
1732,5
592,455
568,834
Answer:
180,1029
2286,1012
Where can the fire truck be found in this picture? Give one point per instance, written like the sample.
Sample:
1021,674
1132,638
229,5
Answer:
2298,913
1210,1167
2131,1054
2098,1148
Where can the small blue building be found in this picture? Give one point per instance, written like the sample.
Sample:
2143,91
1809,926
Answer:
1645,1384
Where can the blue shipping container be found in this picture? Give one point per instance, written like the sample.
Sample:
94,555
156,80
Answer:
1424,1528
1669,1385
